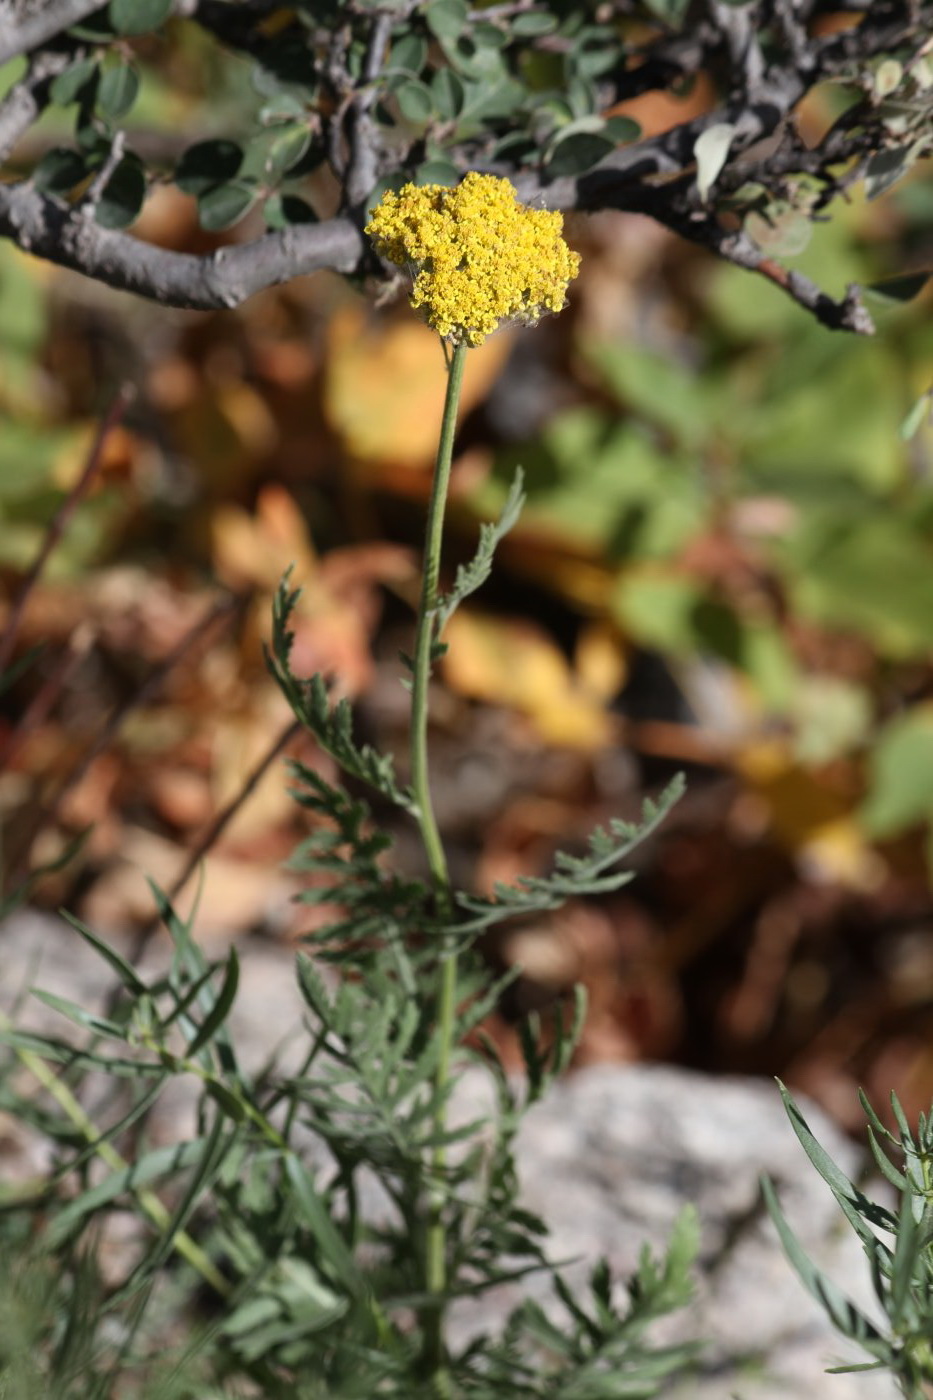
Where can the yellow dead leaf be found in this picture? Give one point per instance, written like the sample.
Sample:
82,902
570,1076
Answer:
837,852
385,382
517,665
600,662
810,817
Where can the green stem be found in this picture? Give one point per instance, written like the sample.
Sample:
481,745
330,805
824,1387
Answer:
426,635
149,1202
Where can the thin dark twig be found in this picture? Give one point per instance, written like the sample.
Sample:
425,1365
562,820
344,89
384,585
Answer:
45,697
225,610
62,517
39,708
213,832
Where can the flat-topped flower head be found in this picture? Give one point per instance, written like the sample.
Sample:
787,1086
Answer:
481,257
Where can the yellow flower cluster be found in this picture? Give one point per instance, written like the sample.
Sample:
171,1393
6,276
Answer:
482,257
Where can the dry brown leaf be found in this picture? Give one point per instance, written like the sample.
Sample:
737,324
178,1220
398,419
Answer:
254,550
516,664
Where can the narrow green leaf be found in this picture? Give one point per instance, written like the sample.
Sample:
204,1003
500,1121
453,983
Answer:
885,1165
900,1117
921,413
226,1100
900,289
833,1175
152,1166
23,890
905,1262
79,1016
221,1008
472,576
318,1220
845,1316
874,1120
213,1150
127,974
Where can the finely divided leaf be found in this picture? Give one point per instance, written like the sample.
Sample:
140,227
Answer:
472,576
572,876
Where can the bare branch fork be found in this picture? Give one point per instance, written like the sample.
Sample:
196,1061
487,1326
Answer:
653,176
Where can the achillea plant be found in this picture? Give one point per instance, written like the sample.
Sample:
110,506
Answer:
287,1286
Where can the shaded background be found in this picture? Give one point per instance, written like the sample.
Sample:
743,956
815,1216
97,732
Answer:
725,568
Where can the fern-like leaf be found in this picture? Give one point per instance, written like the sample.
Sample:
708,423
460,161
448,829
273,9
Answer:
572,876
470,577
331,724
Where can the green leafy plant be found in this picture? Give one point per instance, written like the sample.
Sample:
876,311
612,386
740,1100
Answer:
897,1237
332,1214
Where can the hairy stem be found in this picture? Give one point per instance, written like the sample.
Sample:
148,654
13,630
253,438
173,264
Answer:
426,635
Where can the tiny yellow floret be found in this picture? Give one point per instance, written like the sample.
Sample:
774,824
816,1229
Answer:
481,257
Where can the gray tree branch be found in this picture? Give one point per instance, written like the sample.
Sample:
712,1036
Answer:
23,102
68,236
654,176
22,30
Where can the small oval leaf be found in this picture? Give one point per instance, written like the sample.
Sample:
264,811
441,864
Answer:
446,18
225,205
529,26
70,86
287,149
407,56
117,91
415,102
437,172
208,164
622,129
282,210
448,92
59,171
130,17
123,196
577,153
